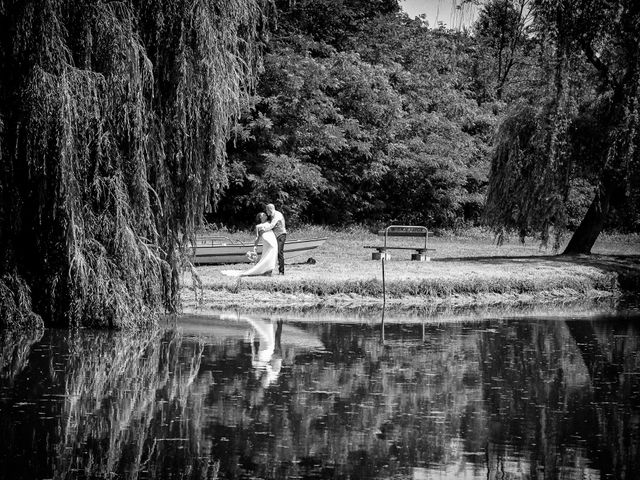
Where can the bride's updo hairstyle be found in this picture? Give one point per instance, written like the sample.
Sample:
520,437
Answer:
259,217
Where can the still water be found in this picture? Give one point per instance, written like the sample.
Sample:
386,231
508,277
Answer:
250,397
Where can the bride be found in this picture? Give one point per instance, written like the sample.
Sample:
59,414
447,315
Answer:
269,256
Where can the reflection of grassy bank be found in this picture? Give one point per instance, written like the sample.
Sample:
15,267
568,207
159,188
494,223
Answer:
464,271
446,312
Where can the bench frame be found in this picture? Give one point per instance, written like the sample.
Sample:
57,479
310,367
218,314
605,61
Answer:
403,231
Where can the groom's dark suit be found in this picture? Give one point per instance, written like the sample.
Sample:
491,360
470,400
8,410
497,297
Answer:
277,224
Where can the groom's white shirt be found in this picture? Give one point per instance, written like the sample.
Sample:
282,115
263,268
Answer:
277,224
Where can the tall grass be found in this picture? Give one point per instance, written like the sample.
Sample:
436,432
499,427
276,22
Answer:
438,287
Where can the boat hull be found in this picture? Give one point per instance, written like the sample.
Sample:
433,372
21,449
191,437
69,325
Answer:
216,254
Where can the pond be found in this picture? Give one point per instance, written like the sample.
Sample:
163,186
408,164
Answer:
236,396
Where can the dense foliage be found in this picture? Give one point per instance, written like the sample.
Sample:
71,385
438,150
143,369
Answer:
385,124
582,132
363,115
114,118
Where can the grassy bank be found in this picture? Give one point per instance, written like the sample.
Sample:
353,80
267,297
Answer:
466,270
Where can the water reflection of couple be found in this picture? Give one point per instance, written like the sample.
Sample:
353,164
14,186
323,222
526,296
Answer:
272,231
267,358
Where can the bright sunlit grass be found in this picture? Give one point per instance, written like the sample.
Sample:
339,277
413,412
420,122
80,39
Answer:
469,265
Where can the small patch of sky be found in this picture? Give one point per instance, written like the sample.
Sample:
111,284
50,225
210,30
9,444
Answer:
441,13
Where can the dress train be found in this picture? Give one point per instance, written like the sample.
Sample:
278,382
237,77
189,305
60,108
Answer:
268,259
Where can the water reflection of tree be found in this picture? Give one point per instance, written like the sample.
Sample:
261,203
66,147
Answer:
535,376
476,397
364,410
508,398
611,353
15,347
128,407
108,405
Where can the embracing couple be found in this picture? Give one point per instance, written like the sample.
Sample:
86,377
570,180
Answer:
271,228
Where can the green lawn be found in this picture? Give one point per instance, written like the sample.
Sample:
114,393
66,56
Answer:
465,270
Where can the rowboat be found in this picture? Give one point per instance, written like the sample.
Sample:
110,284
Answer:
215,250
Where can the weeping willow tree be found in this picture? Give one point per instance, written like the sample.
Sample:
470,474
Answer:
543,147
114,118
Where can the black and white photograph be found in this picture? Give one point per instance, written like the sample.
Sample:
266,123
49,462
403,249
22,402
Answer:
320,239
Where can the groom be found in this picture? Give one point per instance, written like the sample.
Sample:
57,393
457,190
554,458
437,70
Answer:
277,224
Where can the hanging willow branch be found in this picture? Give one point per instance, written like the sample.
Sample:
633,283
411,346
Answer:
114,121
530,173
540,148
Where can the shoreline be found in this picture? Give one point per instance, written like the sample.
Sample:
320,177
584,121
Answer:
434,289
470,311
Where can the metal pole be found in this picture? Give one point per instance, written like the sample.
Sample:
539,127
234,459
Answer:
384,300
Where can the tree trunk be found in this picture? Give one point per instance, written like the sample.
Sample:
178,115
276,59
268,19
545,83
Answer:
591,226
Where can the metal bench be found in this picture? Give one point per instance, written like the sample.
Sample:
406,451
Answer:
421,253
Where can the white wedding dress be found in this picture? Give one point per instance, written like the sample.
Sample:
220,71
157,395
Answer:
266,362
268,259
